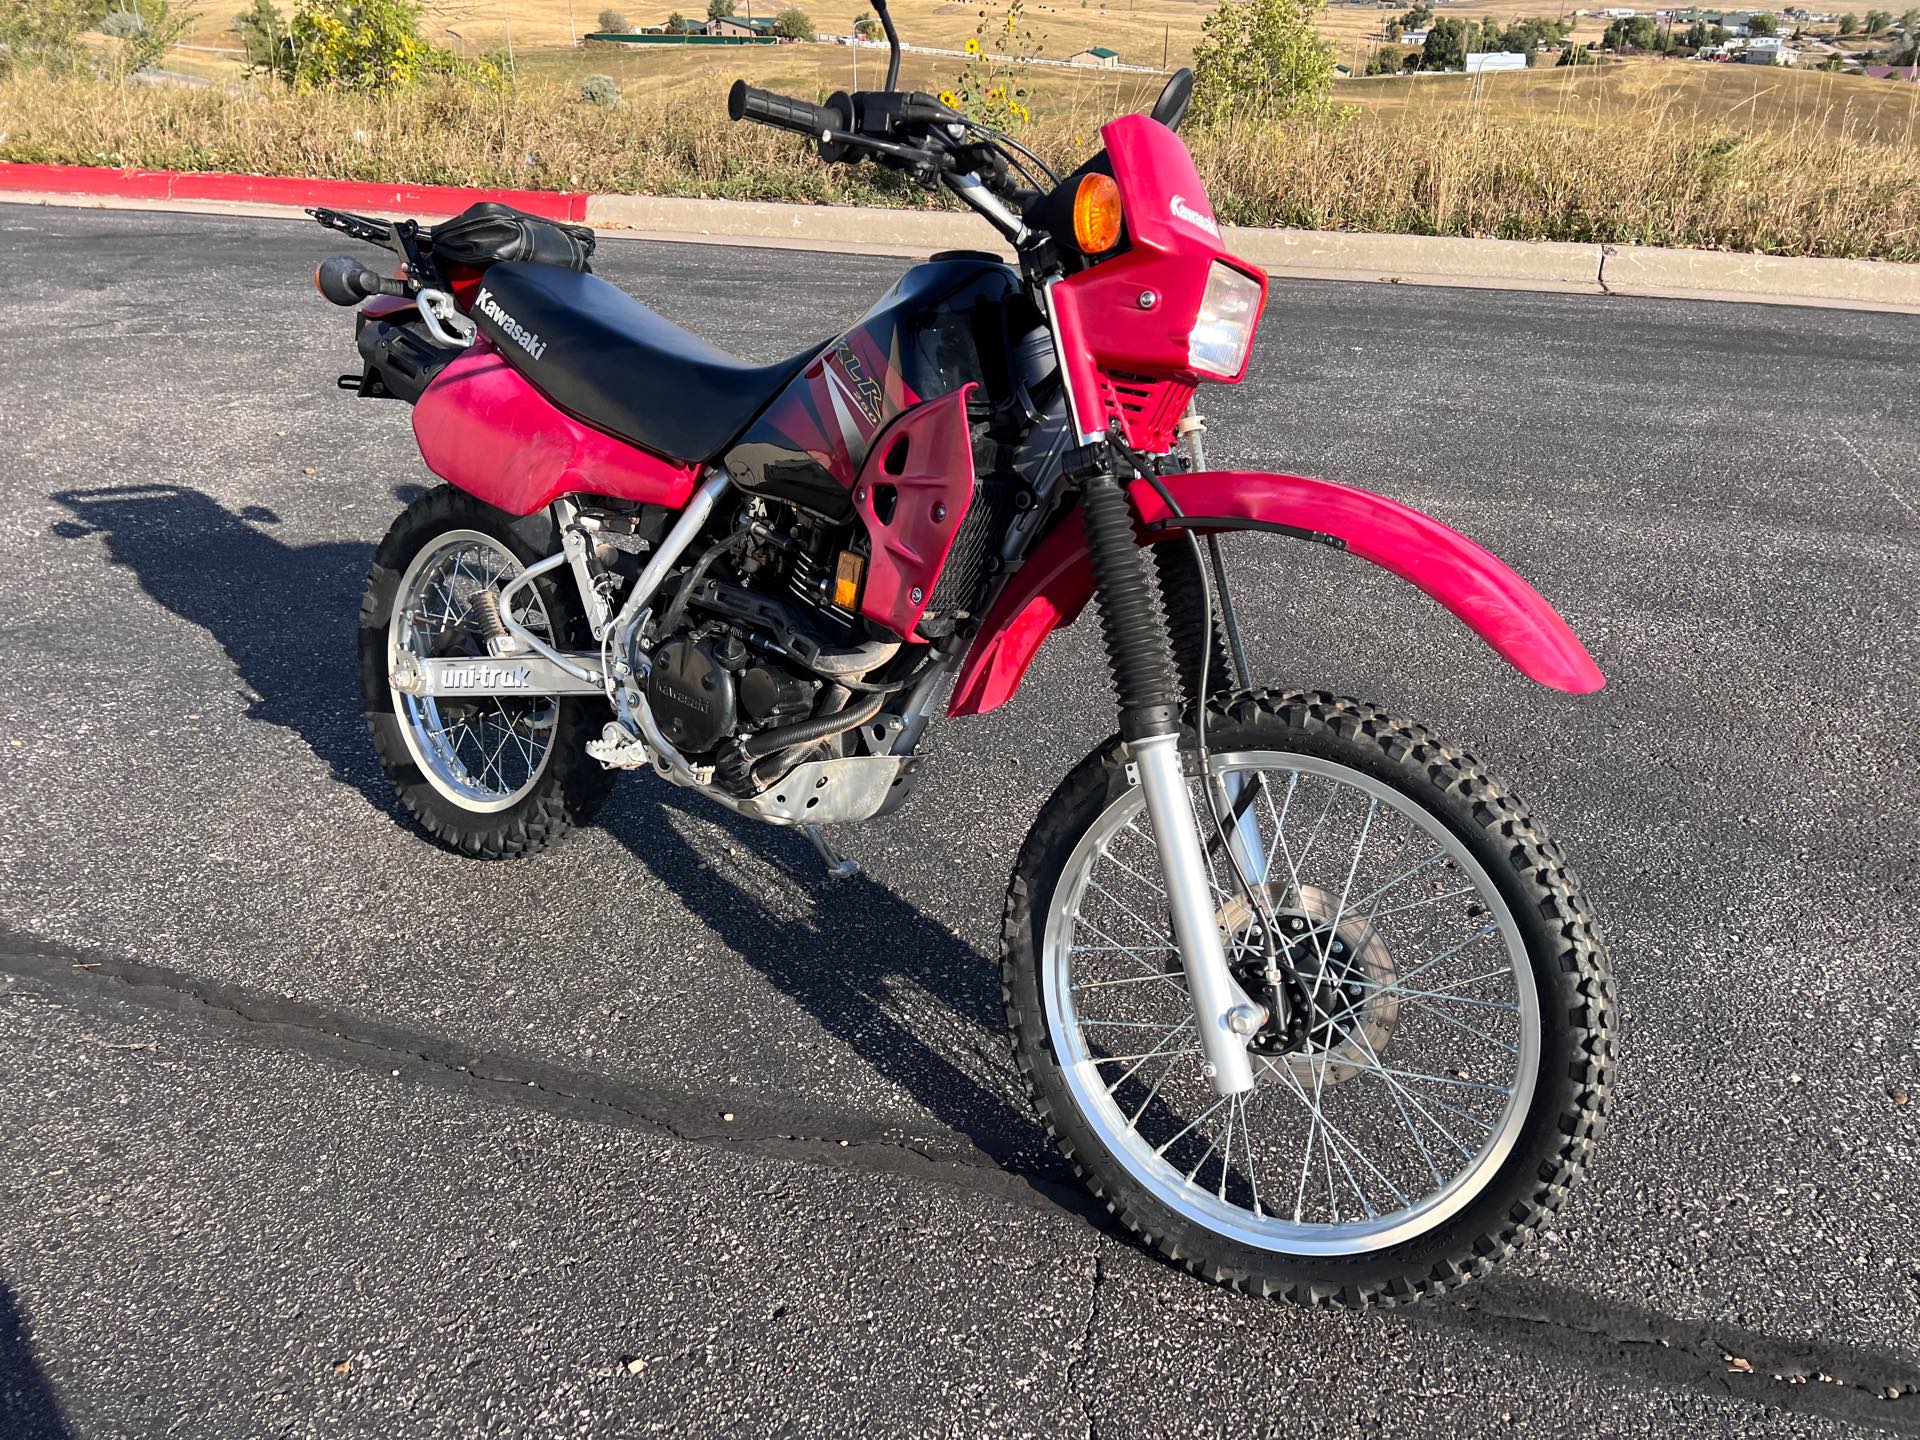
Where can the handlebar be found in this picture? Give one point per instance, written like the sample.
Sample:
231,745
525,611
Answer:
783,112
345,281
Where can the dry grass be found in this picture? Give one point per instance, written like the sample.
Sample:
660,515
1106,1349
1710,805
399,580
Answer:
1649,175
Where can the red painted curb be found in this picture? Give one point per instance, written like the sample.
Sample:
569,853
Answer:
280,190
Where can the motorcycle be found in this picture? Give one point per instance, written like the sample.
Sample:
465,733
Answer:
1309,999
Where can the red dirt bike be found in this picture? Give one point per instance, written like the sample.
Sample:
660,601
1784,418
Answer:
1308,998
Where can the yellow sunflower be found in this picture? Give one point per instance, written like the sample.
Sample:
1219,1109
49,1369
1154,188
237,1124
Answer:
973,45
949,99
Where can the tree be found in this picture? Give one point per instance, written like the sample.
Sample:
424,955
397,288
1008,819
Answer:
1849,24
865,25
263,35
678,24
793,25
718,9
1697,35
1388,60
1642,32
1763,22
1878,20
612,22
1261,58
1576,55
1447,44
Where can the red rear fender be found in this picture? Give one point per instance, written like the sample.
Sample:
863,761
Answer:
1055,584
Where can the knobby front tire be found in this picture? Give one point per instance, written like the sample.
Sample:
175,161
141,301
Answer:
1446,1071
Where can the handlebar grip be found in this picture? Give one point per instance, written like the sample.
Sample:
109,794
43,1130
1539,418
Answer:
345,281
747,102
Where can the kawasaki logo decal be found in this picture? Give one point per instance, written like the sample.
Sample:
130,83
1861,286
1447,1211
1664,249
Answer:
526,339
1183,211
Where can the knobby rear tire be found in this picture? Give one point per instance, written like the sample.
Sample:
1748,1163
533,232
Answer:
1564,952
572,786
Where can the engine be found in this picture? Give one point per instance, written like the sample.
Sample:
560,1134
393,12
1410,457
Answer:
752,666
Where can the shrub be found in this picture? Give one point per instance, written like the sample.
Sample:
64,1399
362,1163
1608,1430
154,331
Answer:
122,24
263,35
678,24
602,91
1261,58
612,22
360,45
1576,55
793,25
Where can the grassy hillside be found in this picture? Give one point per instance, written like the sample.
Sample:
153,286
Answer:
1644,176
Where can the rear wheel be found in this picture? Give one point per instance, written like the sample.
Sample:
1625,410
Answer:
1434,1071
489,777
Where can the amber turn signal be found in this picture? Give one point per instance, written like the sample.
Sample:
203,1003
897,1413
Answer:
1096,214
848,571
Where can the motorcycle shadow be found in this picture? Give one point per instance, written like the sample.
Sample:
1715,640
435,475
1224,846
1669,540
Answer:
283,613
916,1003
890,985
28,1408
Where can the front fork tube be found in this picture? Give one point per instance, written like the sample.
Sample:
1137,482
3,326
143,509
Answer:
1227,1018
1139,653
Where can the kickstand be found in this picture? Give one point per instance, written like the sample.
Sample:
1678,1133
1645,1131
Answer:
839,867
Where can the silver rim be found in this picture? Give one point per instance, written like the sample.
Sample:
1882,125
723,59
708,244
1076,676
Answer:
482,754
1410,1064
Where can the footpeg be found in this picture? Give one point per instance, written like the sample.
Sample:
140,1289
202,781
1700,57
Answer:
839,867
618,749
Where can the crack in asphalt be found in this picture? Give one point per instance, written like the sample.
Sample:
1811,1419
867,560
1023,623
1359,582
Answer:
1083,1350
1804,1376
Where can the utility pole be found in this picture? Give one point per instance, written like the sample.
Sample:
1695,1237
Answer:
854,45
1166,40
573,33
507,20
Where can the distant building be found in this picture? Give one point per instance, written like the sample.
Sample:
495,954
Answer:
1413,37
1096,55
1891,72
1619,13
1478,61
736,25
1768,50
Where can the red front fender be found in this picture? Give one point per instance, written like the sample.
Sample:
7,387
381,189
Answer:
1055,584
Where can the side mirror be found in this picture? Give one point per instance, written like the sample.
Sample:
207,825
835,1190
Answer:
1171,108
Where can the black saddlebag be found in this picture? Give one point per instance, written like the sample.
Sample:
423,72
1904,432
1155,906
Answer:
490,233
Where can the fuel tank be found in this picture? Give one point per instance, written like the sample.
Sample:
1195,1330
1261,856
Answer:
955,320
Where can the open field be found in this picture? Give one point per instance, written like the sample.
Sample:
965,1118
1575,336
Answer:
1742,98
1144,32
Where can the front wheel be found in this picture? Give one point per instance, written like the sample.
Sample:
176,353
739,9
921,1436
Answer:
1434,1070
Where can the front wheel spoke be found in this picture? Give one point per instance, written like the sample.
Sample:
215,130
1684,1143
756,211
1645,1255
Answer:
1457,1081
1339,1135
1463,1027
1188,1128
1159,1049
1375,916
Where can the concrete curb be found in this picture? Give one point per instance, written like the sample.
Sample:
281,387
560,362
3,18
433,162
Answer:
1298,254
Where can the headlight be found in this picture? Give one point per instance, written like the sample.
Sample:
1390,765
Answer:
1218,344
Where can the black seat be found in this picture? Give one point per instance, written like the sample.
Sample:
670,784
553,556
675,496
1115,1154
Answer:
605,358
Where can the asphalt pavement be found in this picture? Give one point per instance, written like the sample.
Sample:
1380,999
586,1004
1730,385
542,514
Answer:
308,1128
